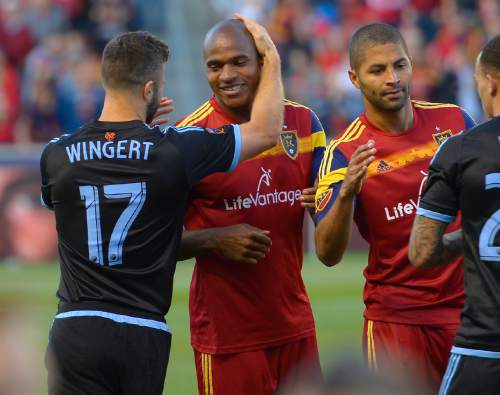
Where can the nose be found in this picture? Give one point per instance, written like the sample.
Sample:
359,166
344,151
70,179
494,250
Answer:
392,77
227,73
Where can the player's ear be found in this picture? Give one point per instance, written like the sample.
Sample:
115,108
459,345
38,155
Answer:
354,78
148,91
492,85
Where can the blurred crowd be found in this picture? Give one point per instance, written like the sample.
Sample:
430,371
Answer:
443,36
50,49
49,63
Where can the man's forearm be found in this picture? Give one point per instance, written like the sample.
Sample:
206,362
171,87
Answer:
334,231
429,246
195,243
269,118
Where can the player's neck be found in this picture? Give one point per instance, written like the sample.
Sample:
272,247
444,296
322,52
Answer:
391,121
121,108
240,114
496,108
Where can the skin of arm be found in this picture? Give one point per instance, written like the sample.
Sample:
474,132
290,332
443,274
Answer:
429,246
266,119
334,230
239,243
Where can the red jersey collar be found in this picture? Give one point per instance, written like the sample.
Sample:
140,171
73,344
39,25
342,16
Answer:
364,119
218,108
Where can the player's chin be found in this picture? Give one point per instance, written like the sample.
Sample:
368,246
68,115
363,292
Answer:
235,101
394,105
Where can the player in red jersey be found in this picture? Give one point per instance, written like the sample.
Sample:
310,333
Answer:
374,172
251,320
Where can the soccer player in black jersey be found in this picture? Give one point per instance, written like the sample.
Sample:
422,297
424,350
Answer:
118,189
465,175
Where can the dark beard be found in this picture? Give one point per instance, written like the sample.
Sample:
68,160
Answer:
153,106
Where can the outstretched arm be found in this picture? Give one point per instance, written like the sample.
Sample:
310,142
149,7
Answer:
429,246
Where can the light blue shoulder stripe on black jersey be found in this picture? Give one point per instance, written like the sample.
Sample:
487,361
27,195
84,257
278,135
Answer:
181,129
492,181
184,129
56,139
475,353
120,318
44,205
237,147
434,215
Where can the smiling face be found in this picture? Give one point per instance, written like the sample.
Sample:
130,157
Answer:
232,68
384,77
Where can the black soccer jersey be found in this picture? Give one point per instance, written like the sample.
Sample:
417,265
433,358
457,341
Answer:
465,175
119,192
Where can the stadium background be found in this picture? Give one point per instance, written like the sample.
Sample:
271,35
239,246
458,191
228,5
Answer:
49,84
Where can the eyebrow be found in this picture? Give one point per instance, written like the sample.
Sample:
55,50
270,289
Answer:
384,64
210,62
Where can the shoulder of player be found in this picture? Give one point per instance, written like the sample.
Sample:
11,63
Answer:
198,117
425,106
50,152
297,114
350,138
57,141
485,127
294,106
297,110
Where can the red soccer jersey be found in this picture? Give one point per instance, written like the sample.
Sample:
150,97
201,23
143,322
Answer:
237,307
395,291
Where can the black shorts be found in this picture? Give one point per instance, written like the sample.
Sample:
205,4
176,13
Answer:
469,374
95,355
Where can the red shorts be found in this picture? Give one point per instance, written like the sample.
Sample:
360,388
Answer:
258,372
417,352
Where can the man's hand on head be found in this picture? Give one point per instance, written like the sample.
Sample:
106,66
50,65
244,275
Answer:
263,41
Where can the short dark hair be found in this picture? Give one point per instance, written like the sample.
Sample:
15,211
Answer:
490,56
370,35
131,59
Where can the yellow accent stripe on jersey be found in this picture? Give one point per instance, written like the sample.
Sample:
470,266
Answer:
206,369
402,159
188,120
306,144
295,104
195,113
354,135
348,134
372,356
204,372
318,140
427,105
368,344
201,117
332,178
210,376
324,169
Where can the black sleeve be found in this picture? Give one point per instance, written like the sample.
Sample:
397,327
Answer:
206,151
45,197
440,199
